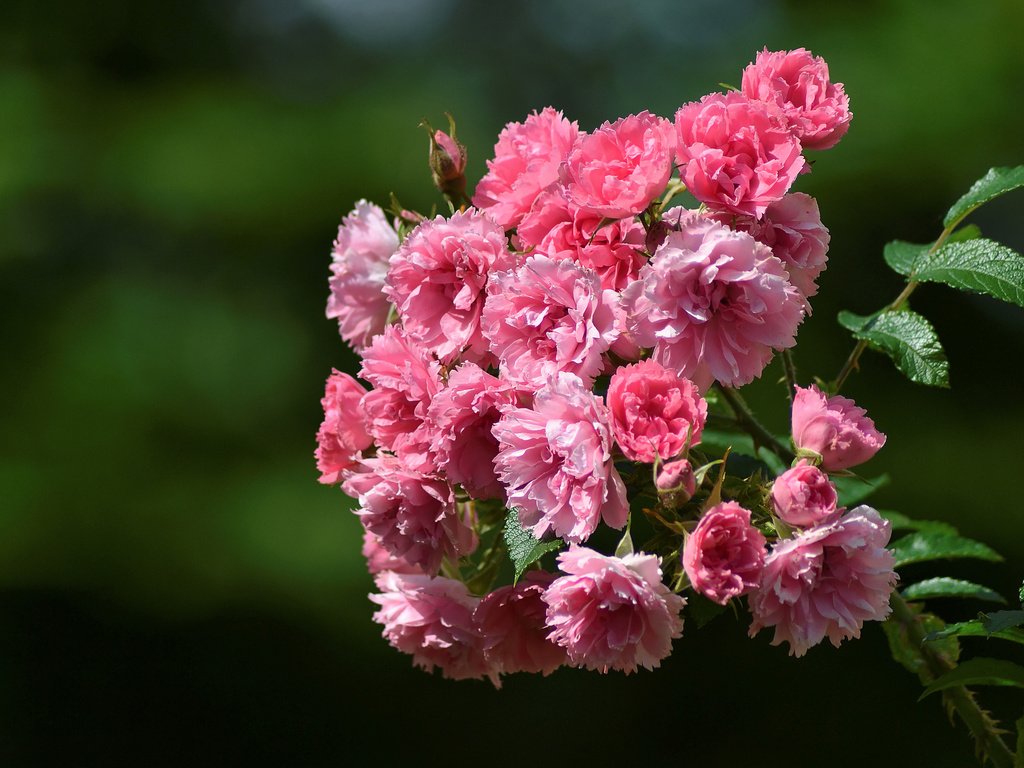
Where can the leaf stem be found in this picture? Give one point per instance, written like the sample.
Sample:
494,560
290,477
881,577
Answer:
748,423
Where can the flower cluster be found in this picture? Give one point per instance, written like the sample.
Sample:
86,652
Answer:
547,360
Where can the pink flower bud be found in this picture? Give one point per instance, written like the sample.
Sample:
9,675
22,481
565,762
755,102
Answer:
447,158
834,427
677,477
803,495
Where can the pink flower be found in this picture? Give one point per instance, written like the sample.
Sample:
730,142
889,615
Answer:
555,461
737,155
724,555
834,427
437,281
463,414
796,82
654,411
620,168
342,436
447,163
714,303
676,477
359,265
526,160
511,620
612,613
432,620
827,581
378,559
405,379
803,495
549,316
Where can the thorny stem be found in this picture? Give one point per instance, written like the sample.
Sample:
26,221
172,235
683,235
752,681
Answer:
790,368
749,423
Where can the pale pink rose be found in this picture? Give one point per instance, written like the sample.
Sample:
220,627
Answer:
342,436
818,110
622,167
511,619
676,477
378,559
359,264
714,303
724,555
555,461
438,280
803,495
413,515
737,155
654,411
549,316
558,228
432,620
405,379
834,427
826,582
526,161
462,414
612,613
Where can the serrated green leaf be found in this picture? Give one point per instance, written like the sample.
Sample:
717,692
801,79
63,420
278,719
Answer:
901,255
702,610
993,184
946,587
908,652
852,490
524,548
922,546
902,522
906,337
1000,620
979,671
975,628
976,266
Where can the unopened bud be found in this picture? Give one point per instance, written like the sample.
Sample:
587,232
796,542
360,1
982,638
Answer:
447,161
677,478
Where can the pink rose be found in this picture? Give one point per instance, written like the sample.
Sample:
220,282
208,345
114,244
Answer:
612,613
526,161
803,495
448,163
834,427
620,168
714,303
511,620
676,477
359,265
342,436
378,559
827,581
797,83
437,281
737,155
555,461
724,555
654,411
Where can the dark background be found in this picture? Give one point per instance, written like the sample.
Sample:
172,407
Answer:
175,586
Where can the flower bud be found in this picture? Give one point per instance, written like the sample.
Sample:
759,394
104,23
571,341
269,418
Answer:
447,161
803,496
676,477
834,427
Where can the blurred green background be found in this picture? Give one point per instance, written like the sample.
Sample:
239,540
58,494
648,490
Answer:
175,586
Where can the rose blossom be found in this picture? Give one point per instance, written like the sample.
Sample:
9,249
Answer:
818,110
737,155
432,620
835,427
556,464
378,559
827,581
359,265
620,168
724,555
342,436
676,477
511,620
612,613
549,316
803,495
714,303
654,411
437,281
526,160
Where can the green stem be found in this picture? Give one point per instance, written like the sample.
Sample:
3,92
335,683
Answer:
790,368
749,424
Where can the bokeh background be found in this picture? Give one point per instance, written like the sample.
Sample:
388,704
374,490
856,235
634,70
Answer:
175,586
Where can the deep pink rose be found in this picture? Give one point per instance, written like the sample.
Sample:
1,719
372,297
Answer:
378,559
654,411
676,477
359,264
724,555
797,83
835,427
612,613
826,582
803,495
342,436
526,161
620,168
511,620
737,155
555,461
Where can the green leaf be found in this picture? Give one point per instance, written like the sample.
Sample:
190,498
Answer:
702,610
1021,594
714,442
1000,620
945,587
975,628
976,266
523,548
908,339
902,522
1018,761
979,671
901,255
937,545
853,489
993,184
908,652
